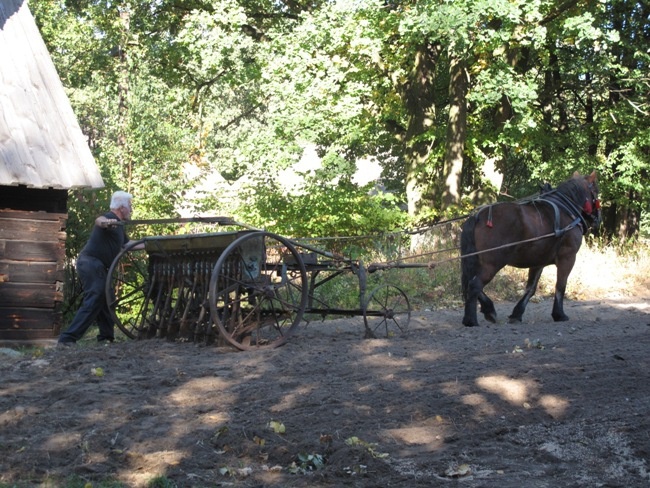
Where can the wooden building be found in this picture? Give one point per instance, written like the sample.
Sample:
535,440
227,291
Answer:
43,154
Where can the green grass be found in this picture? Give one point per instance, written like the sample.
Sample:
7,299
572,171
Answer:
161,482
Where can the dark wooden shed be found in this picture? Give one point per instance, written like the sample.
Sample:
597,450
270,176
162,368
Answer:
43,154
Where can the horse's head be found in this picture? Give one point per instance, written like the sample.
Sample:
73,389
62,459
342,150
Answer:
591,205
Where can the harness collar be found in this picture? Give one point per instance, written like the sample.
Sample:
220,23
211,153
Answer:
559,200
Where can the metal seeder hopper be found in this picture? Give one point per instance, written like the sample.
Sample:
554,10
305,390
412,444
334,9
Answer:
247,287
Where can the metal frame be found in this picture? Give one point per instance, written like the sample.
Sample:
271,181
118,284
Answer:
246,288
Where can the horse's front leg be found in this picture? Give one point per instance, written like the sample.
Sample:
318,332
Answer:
558,304
564,262
563,270
531,286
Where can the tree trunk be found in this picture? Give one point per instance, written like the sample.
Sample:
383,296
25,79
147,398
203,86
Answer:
123,93
456,133
420,106
549,95
621,222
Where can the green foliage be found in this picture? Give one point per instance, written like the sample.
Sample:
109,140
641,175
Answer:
337,209
307,463
161,482
644,225
239,88
429,287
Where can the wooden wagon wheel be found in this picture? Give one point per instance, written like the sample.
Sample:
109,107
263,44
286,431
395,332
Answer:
387,311
128,291
258,291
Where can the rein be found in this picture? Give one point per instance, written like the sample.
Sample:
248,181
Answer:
395,263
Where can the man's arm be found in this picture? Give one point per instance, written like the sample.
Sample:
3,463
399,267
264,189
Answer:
105,223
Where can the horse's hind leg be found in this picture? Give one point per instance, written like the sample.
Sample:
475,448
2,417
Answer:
487,307
475,293
531,286
474,290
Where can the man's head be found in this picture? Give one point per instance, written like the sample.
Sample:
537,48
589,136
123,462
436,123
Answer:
121,204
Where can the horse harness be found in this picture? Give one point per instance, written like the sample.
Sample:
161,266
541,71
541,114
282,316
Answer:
558,201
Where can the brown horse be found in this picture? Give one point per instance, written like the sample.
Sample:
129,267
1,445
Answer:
531,233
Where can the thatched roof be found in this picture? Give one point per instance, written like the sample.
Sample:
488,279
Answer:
41,143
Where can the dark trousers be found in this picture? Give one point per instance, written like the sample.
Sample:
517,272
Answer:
92,274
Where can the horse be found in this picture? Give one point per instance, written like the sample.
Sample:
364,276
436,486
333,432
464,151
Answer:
530,233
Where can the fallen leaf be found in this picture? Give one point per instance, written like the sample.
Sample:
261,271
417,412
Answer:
458,471
277,427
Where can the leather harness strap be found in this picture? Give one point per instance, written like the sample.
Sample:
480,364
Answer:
558,202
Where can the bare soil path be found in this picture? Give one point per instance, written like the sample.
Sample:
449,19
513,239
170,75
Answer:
537,404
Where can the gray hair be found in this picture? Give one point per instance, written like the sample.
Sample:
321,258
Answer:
120,199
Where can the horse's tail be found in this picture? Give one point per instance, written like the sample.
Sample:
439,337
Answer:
469,264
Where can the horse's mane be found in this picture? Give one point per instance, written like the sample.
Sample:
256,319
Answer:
569,196
573,190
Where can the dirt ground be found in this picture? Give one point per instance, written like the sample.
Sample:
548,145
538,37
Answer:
537,404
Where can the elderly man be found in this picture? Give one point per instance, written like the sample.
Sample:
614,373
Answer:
106,241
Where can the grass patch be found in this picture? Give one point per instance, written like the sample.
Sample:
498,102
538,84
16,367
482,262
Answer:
161,482
610,271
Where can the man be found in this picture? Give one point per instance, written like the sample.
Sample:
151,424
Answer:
106,241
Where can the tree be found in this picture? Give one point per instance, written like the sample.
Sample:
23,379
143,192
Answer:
625,134
439,92
136,123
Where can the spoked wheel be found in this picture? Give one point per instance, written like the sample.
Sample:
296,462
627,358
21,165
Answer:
128,291
387,312
258,291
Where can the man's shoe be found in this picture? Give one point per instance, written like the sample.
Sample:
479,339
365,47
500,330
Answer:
65,344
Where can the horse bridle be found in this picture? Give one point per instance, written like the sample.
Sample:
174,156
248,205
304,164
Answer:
591,207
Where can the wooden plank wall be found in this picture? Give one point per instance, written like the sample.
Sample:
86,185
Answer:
32,257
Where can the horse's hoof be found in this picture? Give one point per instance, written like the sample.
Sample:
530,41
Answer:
491,317
514,320
470,323
560,318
